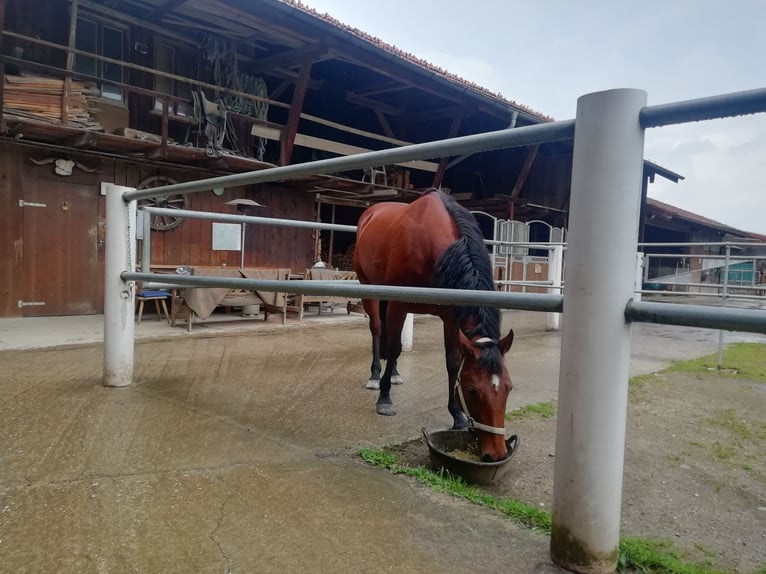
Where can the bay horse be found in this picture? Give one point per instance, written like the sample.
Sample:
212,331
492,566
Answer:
436,242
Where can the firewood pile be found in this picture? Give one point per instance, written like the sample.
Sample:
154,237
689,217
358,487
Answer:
40,98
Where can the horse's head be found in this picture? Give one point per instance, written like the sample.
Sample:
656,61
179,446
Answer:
483,387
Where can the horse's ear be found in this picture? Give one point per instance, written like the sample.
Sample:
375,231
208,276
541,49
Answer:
506,342
467,345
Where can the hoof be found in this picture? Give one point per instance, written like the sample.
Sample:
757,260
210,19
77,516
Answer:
397,380
373,384
386,409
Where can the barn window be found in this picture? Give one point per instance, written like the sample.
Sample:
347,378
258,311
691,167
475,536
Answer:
104,40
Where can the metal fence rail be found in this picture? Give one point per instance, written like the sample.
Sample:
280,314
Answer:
522,301
727,318
711,108
234,218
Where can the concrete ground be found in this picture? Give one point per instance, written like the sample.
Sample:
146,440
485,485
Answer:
235,449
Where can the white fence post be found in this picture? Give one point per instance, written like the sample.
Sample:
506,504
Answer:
119,295
639,276
407,333
595,342
555,268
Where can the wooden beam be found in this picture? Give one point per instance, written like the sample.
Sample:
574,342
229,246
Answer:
384,89
288,139
384,123
438,114
288,58
338,148
292,77
453,129
85,140
372,104
280,89
525,169
164,8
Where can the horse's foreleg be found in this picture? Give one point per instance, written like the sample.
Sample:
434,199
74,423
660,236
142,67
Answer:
372,308
454,356
395,316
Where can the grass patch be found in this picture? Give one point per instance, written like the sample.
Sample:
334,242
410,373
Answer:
655,556
545,410
525,514
729,420
740,361
635,554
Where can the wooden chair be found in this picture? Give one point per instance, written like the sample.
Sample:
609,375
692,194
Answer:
159,298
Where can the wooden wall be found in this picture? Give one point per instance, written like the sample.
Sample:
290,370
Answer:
57,254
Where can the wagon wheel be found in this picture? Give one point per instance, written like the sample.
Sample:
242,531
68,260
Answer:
162,222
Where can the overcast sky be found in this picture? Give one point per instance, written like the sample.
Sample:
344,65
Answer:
546,53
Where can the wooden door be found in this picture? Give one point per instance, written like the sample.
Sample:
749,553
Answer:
60,256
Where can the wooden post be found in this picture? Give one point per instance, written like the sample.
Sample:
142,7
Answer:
69,63
288,138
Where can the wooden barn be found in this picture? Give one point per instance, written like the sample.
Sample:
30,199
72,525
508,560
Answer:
147,92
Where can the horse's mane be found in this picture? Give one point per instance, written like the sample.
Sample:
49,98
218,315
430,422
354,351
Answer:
466,265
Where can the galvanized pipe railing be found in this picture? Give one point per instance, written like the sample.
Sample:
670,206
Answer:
700,109
520,301
234,218
726,318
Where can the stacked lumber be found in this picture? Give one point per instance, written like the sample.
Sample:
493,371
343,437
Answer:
40,98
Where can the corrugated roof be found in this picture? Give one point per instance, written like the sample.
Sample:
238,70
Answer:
411,58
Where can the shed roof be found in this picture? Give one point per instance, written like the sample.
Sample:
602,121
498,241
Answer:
672,211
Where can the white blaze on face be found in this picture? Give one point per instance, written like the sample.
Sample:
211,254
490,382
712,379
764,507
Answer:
495,381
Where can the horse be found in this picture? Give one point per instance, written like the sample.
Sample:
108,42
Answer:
436,242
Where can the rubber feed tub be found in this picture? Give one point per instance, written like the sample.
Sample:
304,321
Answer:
444,442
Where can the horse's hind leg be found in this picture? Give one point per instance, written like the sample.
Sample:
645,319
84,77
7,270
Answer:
454,356
395,316
372,308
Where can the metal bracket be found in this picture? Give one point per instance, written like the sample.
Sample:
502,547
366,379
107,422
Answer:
23,203
30,303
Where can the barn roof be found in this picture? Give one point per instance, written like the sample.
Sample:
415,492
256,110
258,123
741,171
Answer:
671,212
